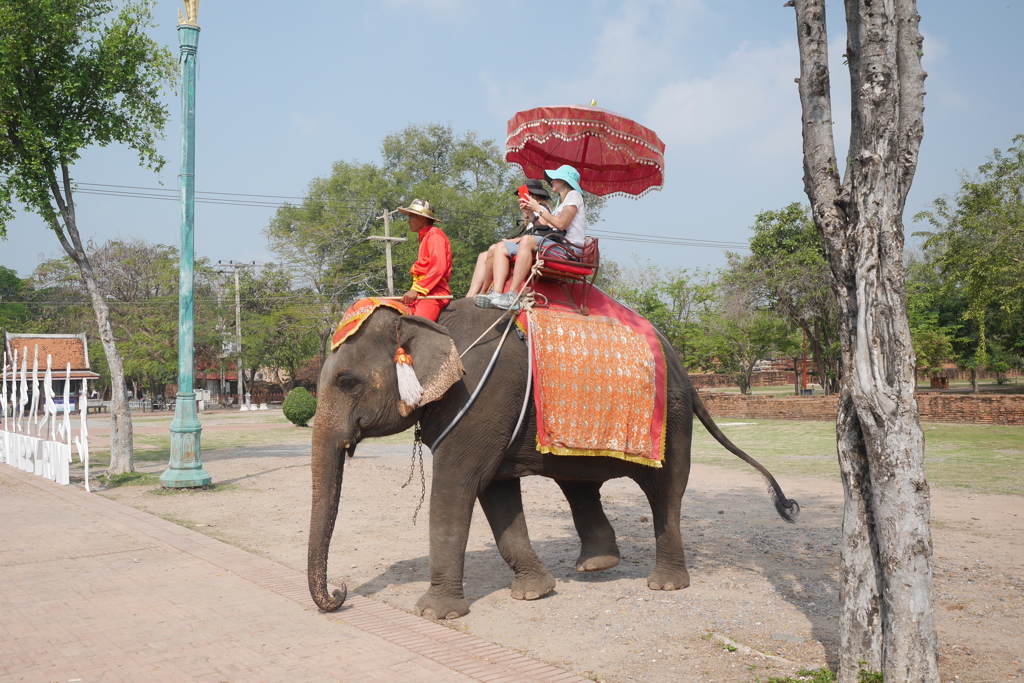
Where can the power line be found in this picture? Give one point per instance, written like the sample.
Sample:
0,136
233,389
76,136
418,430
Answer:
267,202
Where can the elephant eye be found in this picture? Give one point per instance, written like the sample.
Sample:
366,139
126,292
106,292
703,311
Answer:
347,382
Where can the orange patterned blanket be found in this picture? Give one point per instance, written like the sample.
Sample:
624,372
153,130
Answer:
599,383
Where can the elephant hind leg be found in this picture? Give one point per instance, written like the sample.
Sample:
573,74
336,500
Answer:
598,550
502,503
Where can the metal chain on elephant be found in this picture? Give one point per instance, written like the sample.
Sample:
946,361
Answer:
417,449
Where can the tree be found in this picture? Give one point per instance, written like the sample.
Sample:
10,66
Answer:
671,299
787,263
73,74
141,281
325,237
278,329
14,313
739,330
933,341
976,246
886,613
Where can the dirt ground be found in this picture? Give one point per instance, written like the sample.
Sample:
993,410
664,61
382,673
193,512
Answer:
767,586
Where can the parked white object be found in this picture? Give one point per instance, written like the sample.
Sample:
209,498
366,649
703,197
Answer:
40,452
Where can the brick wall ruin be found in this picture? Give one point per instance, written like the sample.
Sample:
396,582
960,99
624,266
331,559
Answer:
961,408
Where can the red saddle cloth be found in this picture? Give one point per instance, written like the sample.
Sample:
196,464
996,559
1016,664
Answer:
599,379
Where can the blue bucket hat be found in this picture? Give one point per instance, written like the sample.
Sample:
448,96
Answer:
566,173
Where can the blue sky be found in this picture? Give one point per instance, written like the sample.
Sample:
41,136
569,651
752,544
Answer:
285,89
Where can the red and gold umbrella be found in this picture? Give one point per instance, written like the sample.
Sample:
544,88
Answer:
614,155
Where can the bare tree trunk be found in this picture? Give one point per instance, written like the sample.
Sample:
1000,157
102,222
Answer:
974,380
886,618
121,436
827,375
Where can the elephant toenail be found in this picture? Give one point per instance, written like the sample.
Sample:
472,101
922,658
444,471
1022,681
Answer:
452,615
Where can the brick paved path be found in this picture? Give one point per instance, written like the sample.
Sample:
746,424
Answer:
92,590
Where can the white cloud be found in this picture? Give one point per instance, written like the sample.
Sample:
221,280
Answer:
751,99
626,59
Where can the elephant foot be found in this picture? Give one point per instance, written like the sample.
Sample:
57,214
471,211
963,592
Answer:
439,607
668,579
533,585
594,558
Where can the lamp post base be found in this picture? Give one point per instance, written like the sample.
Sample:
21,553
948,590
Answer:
185,479
185,469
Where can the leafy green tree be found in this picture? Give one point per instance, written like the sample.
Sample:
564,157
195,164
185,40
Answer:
977,247
325,237
279,331
787,266
142,284
77,73
14,313
739,331
671,299
933,340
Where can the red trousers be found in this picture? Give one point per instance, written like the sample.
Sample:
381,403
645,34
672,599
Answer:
429,308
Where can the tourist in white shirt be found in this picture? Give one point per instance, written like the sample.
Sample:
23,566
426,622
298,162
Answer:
569,221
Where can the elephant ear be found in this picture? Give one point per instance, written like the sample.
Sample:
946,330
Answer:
434,358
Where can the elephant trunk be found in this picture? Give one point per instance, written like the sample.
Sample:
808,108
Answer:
328,467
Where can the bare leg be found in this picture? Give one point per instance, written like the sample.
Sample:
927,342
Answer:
480,273
500,268
524,261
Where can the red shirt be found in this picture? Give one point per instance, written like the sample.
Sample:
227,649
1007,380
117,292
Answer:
433,268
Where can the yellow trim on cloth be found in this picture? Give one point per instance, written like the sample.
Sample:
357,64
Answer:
640,460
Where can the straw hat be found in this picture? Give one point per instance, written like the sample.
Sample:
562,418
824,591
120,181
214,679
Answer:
420,207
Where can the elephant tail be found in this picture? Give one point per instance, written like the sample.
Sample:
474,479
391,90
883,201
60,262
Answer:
787,508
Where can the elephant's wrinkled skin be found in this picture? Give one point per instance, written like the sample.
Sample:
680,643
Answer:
358,398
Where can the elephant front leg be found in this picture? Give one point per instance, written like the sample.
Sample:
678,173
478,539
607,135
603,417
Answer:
670,572
502,502
451,512
598,550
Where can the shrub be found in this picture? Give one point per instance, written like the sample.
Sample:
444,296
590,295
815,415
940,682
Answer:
299,406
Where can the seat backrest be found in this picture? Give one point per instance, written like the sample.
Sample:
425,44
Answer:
591,253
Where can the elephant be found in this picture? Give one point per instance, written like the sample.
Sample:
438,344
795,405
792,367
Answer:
358,397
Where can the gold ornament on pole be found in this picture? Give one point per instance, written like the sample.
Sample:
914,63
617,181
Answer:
191,13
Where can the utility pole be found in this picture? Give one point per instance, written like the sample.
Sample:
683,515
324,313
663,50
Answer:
222,389
387,239
235,266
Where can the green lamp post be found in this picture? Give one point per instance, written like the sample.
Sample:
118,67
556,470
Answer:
185,469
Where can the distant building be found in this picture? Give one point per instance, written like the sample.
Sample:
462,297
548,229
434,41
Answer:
63,349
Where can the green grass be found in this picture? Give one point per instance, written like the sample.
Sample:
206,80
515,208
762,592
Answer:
401,438
130,479
981,458
821,675
824,675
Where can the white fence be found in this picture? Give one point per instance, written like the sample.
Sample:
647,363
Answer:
34,442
